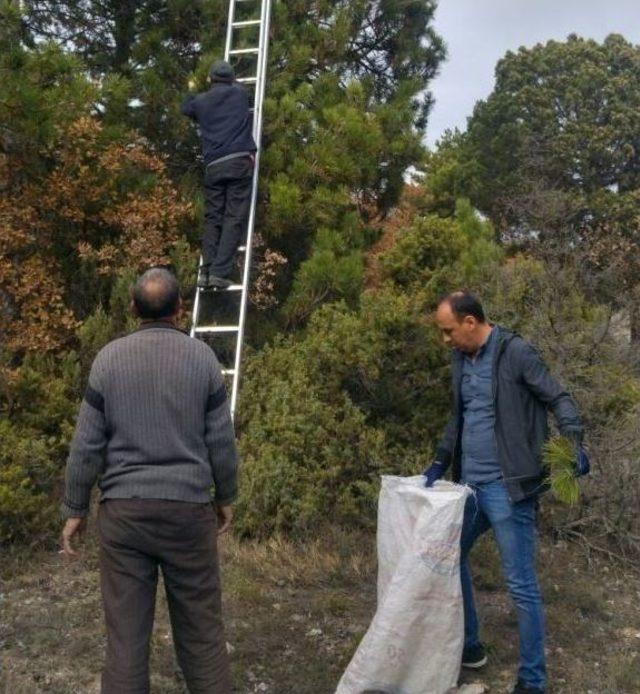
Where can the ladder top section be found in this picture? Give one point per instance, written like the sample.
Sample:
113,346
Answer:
246,23
244,51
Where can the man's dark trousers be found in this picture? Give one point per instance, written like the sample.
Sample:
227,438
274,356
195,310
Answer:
227,193
138,536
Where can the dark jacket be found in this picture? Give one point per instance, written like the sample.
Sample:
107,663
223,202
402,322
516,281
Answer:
224,119
523,392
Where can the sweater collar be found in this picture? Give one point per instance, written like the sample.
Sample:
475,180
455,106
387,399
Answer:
155,324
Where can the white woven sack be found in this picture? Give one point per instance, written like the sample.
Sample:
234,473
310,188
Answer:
414,643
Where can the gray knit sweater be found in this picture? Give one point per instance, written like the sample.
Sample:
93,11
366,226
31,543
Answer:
154,424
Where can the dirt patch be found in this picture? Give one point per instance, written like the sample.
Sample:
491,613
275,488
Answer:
295,614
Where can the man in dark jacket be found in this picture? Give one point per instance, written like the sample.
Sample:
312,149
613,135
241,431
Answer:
155,428
225,122
502,392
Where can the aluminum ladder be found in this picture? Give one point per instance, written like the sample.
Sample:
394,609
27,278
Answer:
245,16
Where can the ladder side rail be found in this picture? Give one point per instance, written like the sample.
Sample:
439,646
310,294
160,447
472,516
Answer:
265,17
196,307
229,37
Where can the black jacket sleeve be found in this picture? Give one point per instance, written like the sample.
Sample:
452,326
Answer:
548,390
188,106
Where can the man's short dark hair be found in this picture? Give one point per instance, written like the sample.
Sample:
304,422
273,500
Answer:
463,304
156,294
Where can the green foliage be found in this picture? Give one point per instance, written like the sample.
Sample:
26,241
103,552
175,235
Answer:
146,49
575,100
41,92
559,455
452,173
439,254
345,111
360,387
323,416
333,271
363,391
576,335
96,87
28,481
360,378
551,158
305,460
380,362
36,423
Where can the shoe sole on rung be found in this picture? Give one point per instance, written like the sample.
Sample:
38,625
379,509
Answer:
476,665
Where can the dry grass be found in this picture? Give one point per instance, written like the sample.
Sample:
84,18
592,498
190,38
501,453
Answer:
296,612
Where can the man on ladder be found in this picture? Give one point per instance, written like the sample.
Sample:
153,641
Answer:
229,126
225,123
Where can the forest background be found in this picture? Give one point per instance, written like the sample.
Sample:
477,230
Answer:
360,229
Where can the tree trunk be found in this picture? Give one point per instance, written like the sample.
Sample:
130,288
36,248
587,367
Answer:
124,32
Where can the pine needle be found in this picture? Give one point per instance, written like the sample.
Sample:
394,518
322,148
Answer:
559,455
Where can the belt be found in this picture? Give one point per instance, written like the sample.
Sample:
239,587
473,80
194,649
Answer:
235,155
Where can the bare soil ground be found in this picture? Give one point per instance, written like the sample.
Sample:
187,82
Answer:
295,614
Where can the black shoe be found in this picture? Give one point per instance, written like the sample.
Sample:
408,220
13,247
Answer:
203,278
218,282
474,657
523,688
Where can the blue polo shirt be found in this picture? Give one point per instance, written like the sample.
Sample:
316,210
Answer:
479,452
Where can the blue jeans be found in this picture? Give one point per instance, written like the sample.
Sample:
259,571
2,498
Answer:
515,533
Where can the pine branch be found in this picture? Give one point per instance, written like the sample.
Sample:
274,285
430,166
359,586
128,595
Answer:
559,456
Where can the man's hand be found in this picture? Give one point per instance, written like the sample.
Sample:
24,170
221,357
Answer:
71,527
583,466
225,516
433,473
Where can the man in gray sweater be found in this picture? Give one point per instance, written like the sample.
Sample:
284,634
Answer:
155,427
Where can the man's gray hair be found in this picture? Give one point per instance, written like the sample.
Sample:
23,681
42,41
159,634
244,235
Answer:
156,294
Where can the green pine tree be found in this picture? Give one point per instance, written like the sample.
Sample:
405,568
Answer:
345,111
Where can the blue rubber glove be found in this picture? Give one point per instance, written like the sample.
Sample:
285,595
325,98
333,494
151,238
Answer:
583,466
433,473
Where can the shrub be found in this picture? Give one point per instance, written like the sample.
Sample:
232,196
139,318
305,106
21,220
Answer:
319,417
361,392
35,428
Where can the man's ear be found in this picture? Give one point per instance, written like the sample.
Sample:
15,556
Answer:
470,322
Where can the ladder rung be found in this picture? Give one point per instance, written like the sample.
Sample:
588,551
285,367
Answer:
230,288
242,249
243,51
228,372
246,23
217,329
247,80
